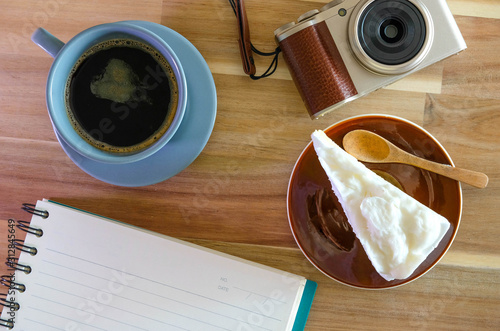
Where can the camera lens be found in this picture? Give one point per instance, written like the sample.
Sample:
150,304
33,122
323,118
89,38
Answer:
391,32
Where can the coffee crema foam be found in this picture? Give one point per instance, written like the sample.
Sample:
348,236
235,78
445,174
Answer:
123,96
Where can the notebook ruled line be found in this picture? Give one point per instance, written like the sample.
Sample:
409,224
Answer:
260,295
102,316
63,317
155,307
40,323
169,286
130,312
143,303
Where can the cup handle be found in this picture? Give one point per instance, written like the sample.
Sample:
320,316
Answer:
47,41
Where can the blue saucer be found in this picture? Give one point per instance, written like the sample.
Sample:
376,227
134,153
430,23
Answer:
191,136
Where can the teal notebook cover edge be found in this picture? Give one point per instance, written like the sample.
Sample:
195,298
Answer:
305,305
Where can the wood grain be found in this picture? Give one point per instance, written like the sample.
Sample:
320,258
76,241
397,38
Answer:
232,197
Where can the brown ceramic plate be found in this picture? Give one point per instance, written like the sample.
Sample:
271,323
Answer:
336,252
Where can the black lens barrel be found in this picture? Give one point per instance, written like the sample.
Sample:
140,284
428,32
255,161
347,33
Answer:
391,32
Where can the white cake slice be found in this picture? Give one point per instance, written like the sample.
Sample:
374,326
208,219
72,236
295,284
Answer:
396,231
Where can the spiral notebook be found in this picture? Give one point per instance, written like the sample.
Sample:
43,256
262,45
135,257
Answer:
80,271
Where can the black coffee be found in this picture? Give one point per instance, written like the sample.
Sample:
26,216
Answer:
121,96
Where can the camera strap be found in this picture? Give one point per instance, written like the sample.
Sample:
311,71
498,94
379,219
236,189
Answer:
246,47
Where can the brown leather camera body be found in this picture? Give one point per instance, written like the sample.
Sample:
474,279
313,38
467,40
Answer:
317,68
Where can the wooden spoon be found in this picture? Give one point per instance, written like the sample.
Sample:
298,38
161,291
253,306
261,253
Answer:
369,147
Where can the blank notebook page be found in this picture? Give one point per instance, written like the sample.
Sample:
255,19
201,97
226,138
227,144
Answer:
93,273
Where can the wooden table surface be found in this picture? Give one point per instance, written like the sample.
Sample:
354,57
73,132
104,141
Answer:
233,196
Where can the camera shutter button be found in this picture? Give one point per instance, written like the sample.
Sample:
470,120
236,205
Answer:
331,4
283,28
307,15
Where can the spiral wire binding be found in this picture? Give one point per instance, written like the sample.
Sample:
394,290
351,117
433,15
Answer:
6,323
6,303
7,281
17,266
24,226
12,262
19,245
31,208
13,306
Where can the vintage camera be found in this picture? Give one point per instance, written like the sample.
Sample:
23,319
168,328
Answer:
350,48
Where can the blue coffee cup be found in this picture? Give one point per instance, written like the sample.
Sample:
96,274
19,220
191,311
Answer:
65,58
